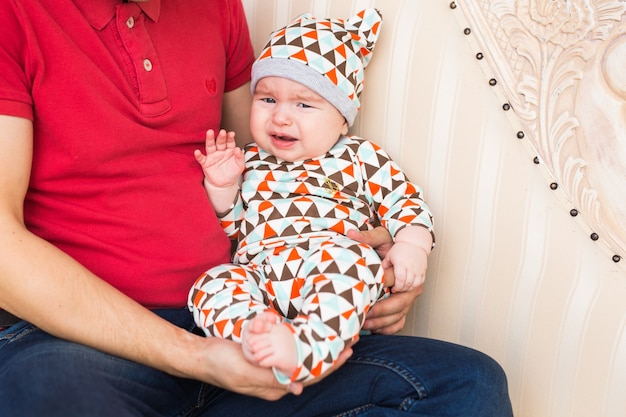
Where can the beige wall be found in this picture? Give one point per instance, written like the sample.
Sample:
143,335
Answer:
513,274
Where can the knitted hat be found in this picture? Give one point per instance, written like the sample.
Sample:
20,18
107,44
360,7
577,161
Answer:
326,55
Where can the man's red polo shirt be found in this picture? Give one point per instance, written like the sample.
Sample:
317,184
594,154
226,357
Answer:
121,95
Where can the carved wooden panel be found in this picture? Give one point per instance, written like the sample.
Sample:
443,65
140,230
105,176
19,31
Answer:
560,67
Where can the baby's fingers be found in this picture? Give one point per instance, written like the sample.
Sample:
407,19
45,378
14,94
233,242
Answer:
200,157
400,283
209,142
225,140
407,279
230,140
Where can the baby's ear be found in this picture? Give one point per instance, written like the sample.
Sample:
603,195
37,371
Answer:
345,127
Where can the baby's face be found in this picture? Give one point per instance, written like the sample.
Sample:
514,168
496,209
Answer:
292,122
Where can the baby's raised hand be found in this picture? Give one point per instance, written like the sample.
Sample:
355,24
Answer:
224,161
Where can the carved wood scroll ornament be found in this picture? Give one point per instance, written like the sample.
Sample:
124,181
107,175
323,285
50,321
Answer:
561,65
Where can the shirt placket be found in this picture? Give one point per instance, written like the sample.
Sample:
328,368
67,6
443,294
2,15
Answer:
146,69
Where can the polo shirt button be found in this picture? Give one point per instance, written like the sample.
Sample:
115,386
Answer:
130,22
147,65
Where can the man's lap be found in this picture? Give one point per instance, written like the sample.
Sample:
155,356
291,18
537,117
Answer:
389,376
41,373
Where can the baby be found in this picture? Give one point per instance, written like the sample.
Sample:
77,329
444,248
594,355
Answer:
299,289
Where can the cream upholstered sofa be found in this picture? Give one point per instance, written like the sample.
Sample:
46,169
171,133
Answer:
513,274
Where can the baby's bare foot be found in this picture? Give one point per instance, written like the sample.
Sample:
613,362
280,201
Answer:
269,343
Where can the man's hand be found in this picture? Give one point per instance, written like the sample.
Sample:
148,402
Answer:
224,365
378,238
227,368
388,316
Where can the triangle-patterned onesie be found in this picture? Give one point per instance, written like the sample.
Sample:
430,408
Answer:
293,256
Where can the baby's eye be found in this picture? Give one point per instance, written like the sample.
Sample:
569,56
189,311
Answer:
268,100
304,105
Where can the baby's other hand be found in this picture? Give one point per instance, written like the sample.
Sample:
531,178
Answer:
409,264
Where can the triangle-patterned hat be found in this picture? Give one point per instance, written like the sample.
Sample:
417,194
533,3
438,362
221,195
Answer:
326,55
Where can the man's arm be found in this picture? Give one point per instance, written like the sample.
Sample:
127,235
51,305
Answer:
45,286
236,114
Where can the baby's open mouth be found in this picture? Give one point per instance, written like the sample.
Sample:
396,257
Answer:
284,138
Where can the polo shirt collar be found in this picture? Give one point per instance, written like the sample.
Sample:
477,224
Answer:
98,13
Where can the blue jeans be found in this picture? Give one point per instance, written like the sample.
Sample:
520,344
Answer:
41,375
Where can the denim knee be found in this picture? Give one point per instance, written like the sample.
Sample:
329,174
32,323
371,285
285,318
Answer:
41,375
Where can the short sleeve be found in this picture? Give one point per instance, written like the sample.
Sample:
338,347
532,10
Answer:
239,53
15,82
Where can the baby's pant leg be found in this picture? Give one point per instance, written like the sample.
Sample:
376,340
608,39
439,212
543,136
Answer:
343,280
223,298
